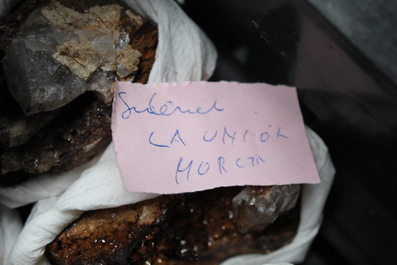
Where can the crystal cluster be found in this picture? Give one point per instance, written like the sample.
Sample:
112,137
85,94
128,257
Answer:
262,205
51,55
60,53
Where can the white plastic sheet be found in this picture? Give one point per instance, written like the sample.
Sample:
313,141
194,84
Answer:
10,227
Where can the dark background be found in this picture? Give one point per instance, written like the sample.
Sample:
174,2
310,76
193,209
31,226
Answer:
341,55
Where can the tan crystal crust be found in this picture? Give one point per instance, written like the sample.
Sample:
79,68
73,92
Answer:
99,40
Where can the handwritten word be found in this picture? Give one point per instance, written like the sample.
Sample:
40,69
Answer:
175,138
220,166
226,137
164,110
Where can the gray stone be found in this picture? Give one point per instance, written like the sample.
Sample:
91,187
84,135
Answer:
60,53
35,79
15,131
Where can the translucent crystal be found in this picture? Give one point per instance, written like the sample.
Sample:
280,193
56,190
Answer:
263,204
35,79
128,62
60,53
103,84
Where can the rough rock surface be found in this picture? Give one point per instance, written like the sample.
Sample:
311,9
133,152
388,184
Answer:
127,53
258,205
172,229
58,50
73,140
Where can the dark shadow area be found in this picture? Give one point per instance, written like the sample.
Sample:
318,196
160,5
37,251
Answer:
344,98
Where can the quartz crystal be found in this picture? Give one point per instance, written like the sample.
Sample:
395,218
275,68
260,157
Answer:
261,205
51,54
60,53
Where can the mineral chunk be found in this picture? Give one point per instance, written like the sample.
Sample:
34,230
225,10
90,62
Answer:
192,228
127,64
73,139
15,131
59,51
65,54
254,206
35,79
80,56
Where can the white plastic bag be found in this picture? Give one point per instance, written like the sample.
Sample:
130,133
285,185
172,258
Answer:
10,227
51,215
183,54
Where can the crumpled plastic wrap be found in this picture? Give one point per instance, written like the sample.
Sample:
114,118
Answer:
184,54
10,227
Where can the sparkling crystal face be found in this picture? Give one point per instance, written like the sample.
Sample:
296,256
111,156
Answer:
60,53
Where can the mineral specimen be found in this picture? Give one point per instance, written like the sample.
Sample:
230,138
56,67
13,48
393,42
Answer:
261,205
191,228
59,51
65,56
71,140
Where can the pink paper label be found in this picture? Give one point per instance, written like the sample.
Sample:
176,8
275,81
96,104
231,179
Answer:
185,137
